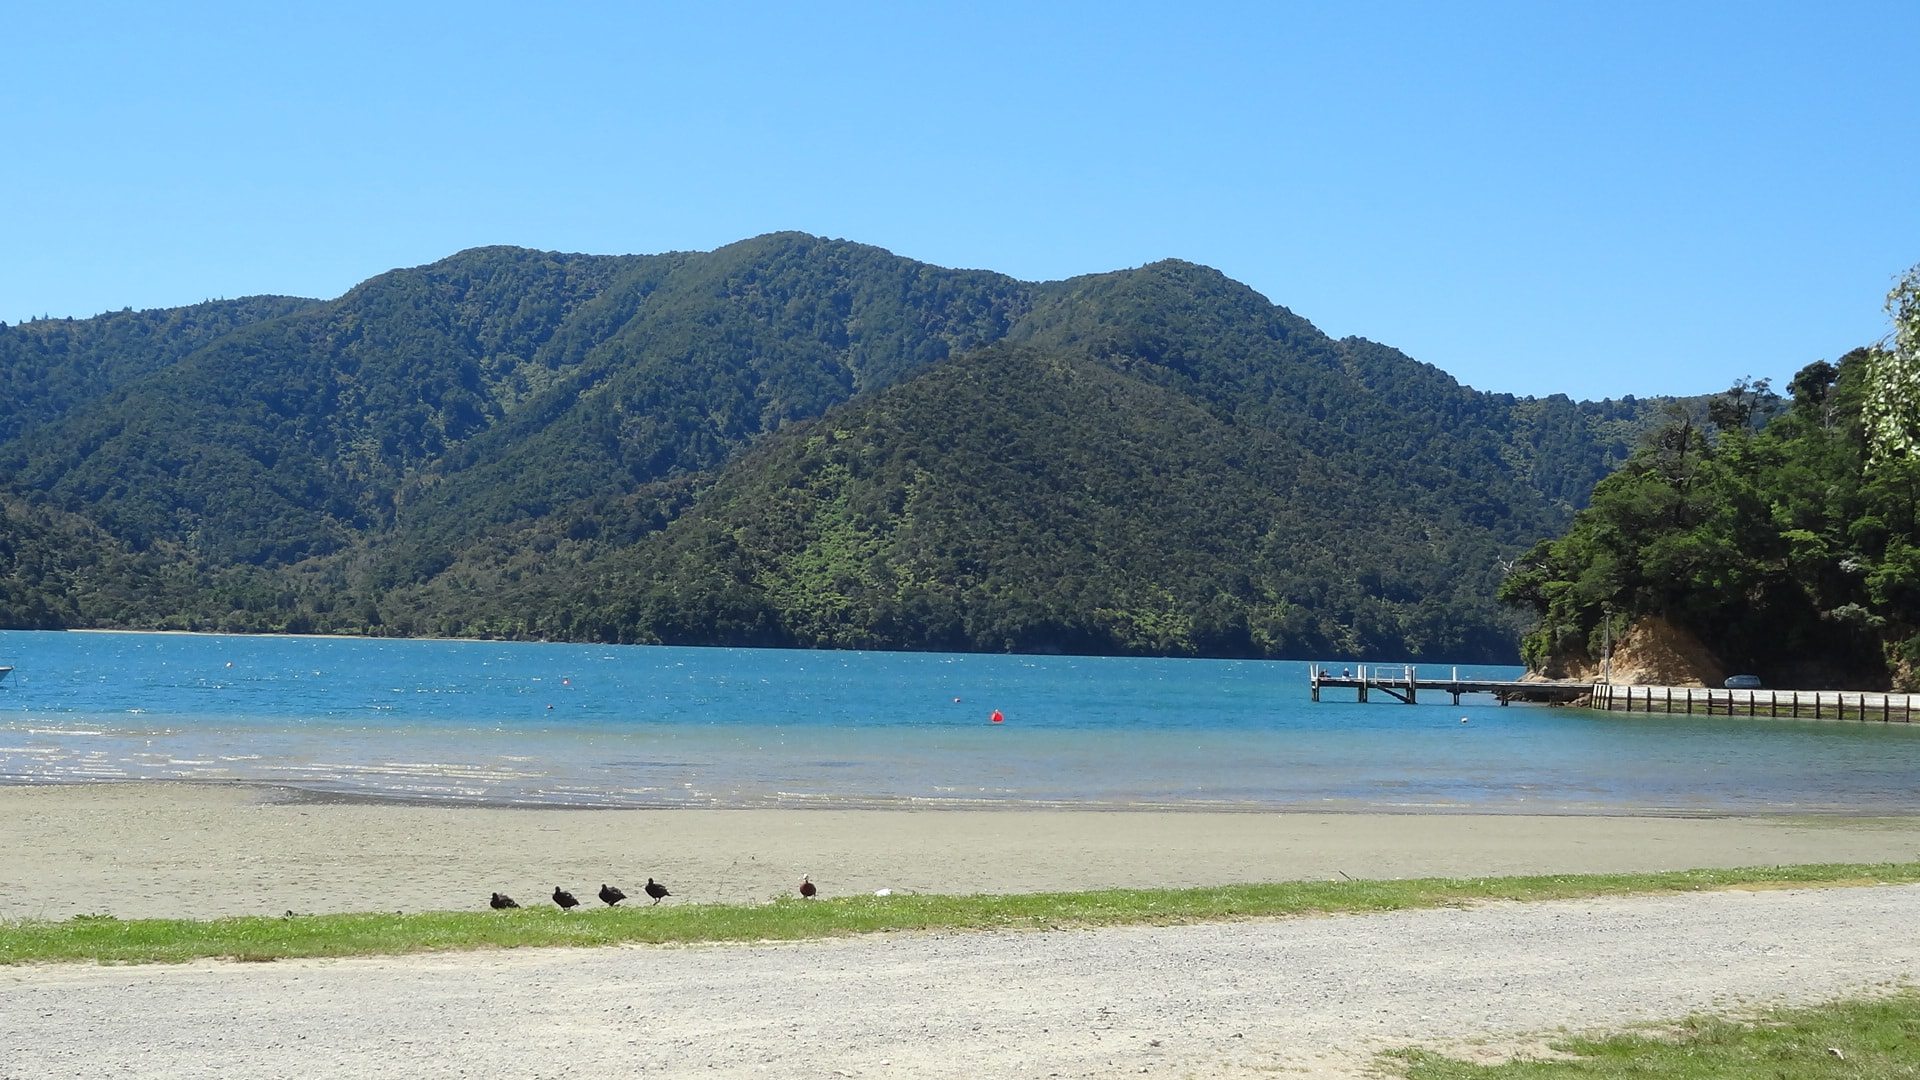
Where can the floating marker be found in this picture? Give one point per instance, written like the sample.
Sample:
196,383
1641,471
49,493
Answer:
997,718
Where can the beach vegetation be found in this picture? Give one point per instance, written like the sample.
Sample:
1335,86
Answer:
1869,1038
1782,533
98,939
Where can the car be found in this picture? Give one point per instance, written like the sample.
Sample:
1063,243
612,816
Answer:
1744,682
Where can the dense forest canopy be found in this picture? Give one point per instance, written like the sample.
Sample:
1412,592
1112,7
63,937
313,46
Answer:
51,366
1783,533
786,441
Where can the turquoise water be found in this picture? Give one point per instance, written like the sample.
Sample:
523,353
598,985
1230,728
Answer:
589,725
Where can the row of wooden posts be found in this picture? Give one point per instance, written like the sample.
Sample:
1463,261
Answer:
1404,683
1813,704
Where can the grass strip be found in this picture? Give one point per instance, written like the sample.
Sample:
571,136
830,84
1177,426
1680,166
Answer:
1861,1039
103,939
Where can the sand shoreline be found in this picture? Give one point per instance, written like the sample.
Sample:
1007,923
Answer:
183,849
270,791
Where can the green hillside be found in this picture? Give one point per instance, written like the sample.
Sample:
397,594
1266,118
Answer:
49,367
917,519
522,443
682,364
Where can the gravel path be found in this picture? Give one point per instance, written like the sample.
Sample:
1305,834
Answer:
1299,997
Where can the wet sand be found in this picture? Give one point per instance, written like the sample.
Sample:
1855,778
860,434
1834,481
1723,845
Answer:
166,849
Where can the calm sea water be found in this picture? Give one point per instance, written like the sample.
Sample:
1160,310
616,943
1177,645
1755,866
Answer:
643,726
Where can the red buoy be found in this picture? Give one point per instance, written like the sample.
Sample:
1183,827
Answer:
997,717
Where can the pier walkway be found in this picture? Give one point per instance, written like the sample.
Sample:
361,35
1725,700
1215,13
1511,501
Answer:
1405,683
1806,704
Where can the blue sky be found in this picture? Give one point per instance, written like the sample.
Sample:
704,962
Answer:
1590,198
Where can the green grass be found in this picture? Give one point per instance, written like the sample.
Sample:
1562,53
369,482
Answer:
1878,1039
103,939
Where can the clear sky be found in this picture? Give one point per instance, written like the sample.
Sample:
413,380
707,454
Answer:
1596,198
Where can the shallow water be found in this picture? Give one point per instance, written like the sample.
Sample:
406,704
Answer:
595,725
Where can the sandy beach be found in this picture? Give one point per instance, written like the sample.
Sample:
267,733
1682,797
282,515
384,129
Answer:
1308,997
168,849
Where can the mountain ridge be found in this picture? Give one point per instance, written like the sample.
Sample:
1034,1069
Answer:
328,461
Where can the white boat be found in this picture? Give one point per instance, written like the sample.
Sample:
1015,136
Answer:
4,672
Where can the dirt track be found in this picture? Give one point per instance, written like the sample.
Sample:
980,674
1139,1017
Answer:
1311,997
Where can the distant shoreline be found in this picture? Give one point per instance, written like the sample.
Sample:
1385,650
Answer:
309,636
290,793
771,648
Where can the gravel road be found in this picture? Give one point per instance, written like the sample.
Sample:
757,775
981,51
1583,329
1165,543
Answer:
1297,997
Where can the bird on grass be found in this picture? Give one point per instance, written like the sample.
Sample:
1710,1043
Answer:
610,895
657,891
564,899
808,888
501,902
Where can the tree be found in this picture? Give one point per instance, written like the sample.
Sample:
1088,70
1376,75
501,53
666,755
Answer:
1892,407
1745,406
1810,387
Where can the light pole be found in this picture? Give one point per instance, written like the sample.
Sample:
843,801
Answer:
1606,643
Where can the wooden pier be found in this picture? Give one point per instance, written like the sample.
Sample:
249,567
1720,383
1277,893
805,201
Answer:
1405,683
1866,705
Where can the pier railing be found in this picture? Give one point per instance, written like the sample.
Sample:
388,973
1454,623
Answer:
1406,682
1708,701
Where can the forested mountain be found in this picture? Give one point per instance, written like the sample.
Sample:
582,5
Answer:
789,440
50,366
1158,526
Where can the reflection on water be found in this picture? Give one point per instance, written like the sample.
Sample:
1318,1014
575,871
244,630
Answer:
617,726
